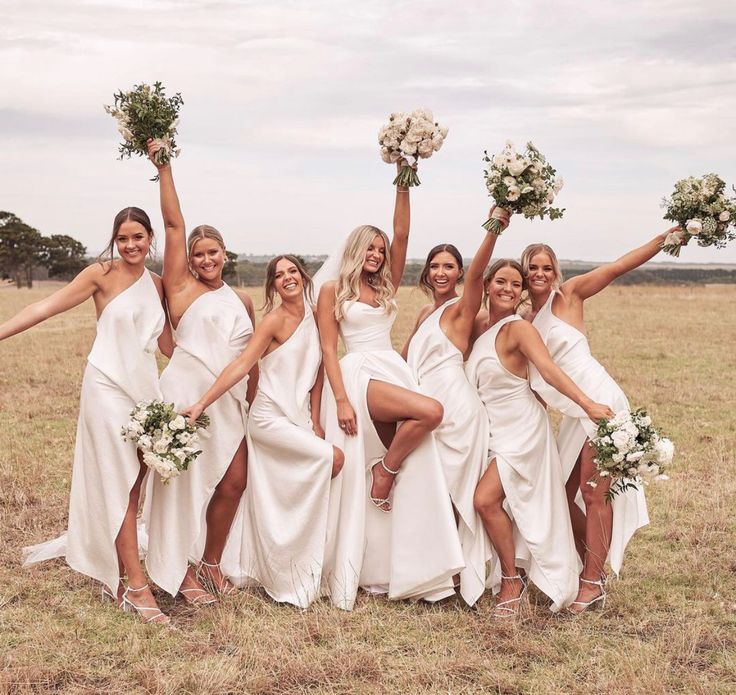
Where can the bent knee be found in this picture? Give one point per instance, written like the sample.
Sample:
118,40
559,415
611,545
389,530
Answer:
432,414
338,460
486,505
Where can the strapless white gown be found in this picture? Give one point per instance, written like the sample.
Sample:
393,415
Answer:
289,470
412,552
213,331
523,444
570,350
121,371
462,439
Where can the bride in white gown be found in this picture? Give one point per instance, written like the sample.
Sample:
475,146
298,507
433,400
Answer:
290,465
391,527
521,496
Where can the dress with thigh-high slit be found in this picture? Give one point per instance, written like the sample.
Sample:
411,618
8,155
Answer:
570,350
462,439
121,371
523,444
213,331
413,551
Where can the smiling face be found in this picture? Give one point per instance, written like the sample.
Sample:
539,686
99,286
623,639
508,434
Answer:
133,242
207,259
287,280
542,275
504,290
375,255
443,273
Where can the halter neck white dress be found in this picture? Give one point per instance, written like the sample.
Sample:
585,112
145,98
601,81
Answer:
121,371
523,445
289,471
570,350
213,331
412,552
462,439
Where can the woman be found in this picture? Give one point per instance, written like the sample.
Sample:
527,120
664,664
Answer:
434,352
102,539
190,518
601,529
521,496
402,541
289,462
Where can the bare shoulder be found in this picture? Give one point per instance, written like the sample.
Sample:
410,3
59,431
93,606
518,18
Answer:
425,311
521,329
327,291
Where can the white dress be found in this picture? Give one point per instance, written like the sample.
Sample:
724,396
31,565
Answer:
413,551
213,331
570,350
289,470
121,371
462,439
523,445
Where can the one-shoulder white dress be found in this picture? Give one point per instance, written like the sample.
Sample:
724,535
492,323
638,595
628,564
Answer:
414,551
121,371
523,445
289,471
570,350
462,439
213,331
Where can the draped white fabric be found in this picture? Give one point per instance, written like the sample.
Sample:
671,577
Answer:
213,331
414,551
289,469
462,439
522,442
121,371
570,350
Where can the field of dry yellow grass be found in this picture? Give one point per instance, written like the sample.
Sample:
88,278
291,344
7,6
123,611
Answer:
669,625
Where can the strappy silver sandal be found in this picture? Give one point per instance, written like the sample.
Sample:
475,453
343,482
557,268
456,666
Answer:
597,602
155,614
205,578
378,502
502,609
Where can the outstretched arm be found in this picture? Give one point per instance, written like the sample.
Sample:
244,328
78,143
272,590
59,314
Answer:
176,265
589,284
533,348
400,240
77,291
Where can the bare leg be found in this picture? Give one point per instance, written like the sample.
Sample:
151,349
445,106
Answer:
418,414
126,545
577,515
338,459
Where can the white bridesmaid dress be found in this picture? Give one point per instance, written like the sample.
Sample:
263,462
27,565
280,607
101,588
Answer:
213,331
462,439
523,445
289,471
121,371
570,350
413,551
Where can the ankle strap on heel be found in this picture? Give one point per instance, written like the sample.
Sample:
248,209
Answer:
600,582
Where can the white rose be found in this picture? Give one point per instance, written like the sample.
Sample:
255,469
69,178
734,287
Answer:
510,181
178,423
145,442
645,420
618,457
694,227
500,160
664,450
518,167
513,193
725,216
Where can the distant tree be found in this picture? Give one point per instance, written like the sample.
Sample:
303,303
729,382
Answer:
230,268
21,249
63,256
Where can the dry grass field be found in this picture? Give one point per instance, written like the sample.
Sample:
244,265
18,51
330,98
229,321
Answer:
669,625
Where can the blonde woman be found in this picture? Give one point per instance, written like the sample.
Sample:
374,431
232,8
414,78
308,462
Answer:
190,518
392,528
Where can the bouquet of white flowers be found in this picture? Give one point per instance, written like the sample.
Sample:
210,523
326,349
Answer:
523,183
630,451
168,442
703,211
145,112
410,137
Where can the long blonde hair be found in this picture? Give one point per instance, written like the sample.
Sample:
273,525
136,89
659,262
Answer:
351,269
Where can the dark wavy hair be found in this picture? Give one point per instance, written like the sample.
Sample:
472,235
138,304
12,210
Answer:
270,290
131,214
424,276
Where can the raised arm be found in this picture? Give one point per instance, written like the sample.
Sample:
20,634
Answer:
328,340
589,284
176,265
532,346
400,240
77,291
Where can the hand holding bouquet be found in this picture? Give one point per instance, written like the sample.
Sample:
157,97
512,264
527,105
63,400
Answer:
702,210
629,451
410,137
145,113
522,183
168,442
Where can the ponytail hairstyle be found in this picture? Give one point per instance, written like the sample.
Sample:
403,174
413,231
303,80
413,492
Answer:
491,273
270,290
351,269
424,283
130,214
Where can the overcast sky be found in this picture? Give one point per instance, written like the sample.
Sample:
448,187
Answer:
283,101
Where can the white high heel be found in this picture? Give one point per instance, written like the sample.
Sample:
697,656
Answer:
129,607
205,578
378,502
597,602
502,610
